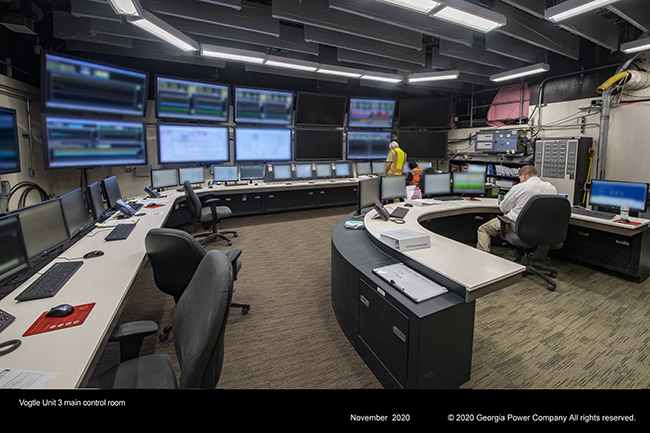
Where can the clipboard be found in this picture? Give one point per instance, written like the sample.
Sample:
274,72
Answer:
417,287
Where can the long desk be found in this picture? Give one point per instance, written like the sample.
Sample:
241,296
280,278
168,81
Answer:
427,344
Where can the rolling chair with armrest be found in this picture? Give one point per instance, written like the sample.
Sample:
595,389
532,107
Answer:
207,214
174,256
542,225
199,323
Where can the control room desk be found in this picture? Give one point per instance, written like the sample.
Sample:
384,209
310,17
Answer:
426,344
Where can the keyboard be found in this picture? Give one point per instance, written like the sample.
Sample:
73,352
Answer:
50,282
448,198
5,319
120,232
579,210
399,212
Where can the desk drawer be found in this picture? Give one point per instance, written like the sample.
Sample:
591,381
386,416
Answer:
607,249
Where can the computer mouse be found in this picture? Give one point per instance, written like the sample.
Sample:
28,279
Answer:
92,254
60,311
151,205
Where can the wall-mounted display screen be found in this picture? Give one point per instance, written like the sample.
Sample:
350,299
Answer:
371,113
319,144
320,109
9,144
424,113
192,143
368,144
182,99
261,106
423,144
72,143
262,144
71,84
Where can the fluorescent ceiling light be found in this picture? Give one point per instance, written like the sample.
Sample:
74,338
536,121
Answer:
340,73
423,6
636,46
521,72
571,8
232,54
470,15
433,76
126,7
383,78
164,31
297,66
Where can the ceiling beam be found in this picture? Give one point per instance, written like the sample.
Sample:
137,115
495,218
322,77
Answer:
594,28
510,47
90,9
235,4
533,7
636,12
478,54
70,28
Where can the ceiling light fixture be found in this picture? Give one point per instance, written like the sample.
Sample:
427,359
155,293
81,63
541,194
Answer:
470,15
433,76
232,54
348,74
571,8
288,65
422,6
383,78
126,7
636,46
521,72
164,31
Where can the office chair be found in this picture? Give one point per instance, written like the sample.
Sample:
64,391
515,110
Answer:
207,214
199,325
541,225
174,256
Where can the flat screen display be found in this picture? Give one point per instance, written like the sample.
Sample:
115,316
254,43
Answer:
193,174
424,113
226,173
364,168
164,178
304,171
368,144
314,144
323,170
111,191
393,187
436,184
76,213
9,144
95,201
320,109
369,192
371,113
13,257
379,167
468,182
41,237
182,99
262,144
71,84
192,143
269,107
281,172
343,169
423,144
251,172
70,143
631,195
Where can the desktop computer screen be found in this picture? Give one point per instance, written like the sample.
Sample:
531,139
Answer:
436,184
95,201
13,256
262,144
192,144
164,178
468,182
75,211
304,171
379,167
368,192
251,172
619,194
281,172
323,170
364,168
226,173
393,187
193,174
343,169
111,190
43,226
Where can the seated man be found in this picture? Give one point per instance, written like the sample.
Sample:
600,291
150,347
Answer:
530,184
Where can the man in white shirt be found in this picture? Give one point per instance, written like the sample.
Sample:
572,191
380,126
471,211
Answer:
530,184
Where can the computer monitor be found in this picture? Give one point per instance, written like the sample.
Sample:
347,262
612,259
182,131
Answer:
164,178
225,173
263,106
619,194
183,99
343,169
364,168
323,171
304,171
262,144
379,167
371,113
469,183
196,175
368,144
393,187
9,142
76,213
368,192
111,191
280,172
95,201
43,226
13,255
251,172
436,184
193,144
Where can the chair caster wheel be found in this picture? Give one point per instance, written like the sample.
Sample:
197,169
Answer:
163,337
244,311
551,287
553,274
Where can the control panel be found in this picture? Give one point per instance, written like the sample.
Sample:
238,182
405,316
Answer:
497,141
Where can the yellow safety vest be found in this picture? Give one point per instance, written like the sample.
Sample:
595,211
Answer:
399,157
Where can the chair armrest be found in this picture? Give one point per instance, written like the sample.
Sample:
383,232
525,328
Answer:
233,256
505,222
130,336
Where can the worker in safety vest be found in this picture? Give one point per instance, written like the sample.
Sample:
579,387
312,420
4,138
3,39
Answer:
413,178
395,160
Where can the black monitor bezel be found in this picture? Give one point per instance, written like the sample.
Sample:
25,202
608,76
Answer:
191,125
163,169
262,122
26,263
241,128
14,114
89,219
188,118
301,103
617,208
363,99
427,175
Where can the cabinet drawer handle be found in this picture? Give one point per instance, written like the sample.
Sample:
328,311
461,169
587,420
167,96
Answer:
364,301
478,217
311,193
620,242
228,199
271,196
399,333
581,233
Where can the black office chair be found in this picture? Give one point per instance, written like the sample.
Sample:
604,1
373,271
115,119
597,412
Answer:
207,214
541,225
199,325
174,256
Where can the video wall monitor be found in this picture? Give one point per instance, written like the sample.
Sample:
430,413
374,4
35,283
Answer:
192,144
280,172
111,191
343,169
79,143
9,143
225,173
393,187
423,144
324,171
436,184
619,194
470,183
368,192
424,113
364,168
268,107
164,178
371,113
95,201
251,172
196,175
13,256
262,144
78,85
314,109
183,99
315,144
368,144
43,226
76,213
304,171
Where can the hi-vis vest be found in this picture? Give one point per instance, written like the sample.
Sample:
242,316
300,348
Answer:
417,173
399,157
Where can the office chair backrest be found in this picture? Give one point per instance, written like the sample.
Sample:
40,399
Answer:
192,201
544,220
174,256
200,322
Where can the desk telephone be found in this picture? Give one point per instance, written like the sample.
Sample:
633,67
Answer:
152,192
124,208
381,211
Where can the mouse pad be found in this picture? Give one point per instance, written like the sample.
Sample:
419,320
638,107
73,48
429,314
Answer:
46,324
